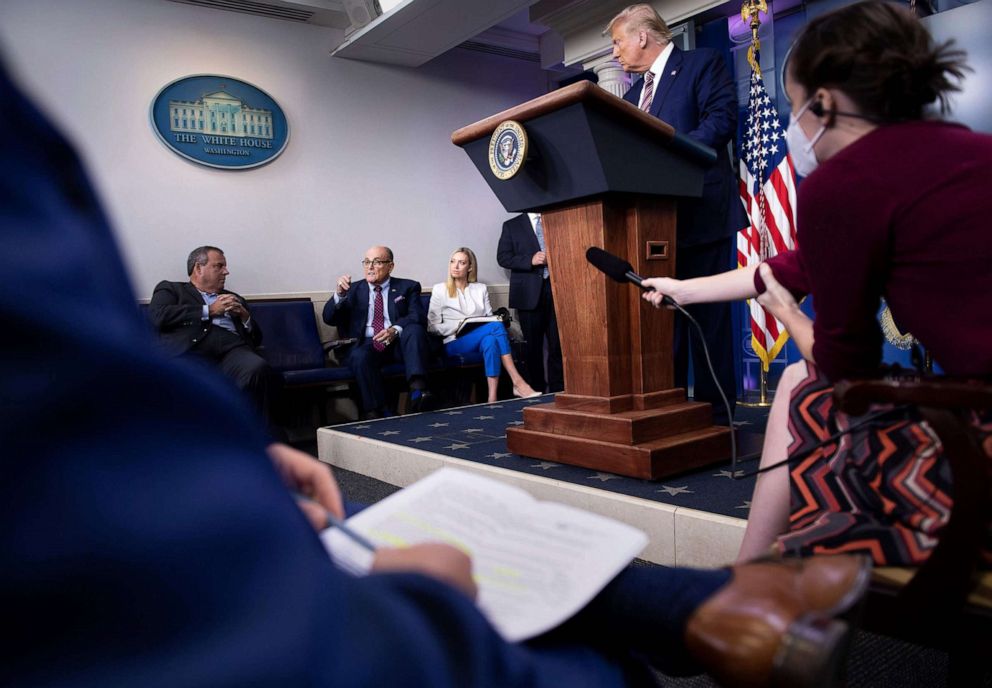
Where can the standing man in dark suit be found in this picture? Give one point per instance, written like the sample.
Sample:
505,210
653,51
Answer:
385,317
521,251
202,318
694,92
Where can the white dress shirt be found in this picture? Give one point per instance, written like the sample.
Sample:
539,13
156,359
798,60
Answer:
446,312
658,68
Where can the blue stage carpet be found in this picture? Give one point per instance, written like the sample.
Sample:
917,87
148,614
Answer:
478,433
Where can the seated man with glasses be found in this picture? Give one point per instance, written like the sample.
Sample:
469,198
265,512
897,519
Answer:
387,320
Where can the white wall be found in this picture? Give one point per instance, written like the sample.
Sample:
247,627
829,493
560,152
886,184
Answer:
369,159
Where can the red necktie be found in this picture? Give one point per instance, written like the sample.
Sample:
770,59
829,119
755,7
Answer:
378,318
648,92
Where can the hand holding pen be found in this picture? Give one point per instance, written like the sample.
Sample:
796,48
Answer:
311,479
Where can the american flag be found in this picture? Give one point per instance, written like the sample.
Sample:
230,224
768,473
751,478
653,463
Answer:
768,191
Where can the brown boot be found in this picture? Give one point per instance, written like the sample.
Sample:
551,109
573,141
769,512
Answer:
773,624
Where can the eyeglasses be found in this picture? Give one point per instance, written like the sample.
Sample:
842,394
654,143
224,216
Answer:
375,262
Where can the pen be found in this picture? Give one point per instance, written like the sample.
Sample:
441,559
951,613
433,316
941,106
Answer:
335,522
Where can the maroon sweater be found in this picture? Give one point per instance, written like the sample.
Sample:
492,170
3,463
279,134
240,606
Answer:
903,213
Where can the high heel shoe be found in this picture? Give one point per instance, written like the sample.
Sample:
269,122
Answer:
773,624
532,394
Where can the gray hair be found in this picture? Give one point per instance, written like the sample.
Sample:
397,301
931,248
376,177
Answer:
642,17
199,256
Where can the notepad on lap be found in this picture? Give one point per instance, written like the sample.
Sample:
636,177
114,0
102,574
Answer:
472,322
536,563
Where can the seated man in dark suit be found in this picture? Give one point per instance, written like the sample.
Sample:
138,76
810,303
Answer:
202,318
385,317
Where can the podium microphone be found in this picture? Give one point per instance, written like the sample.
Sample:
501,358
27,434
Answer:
618,269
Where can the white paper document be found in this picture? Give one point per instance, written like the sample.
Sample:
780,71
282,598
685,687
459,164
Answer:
536,563
470,323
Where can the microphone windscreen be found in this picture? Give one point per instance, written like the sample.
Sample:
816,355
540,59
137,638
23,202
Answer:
614,267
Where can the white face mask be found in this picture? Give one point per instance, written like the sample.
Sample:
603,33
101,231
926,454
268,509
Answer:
801,148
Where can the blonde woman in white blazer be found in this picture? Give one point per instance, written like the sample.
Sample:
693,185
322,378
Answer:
460,297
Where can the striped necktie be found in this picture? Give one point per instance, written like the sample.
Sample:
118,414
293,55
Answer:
378,318
539,231
648,93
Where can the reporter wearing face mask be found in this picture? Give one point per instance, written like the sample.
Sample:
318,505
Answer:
895,204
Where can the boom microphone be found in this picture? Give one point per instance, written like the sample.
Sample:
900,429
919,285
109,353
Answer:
618,269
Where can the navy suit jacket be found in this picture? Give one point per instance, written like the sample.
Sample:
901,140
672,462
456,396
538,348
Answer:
403,304
516,249
147,538
176,311
697,95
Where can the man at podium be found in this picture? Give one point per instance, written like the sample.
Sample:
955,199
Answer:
694,92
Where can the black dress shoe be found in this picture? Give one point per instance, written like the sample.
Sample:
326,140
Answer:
429,402
422,402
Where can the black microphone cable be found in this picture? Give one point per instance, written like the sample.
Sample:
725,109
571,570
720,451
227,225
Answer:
709,365
867,420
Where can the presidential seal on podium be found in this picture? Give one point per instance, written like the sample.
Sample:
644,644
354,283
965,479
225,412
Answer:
507,149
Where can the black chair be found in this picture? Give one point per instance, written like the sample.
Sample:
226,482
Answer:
291,344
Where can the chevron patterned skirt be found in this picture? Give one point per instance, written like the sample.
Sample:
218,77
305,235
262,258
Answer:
883,489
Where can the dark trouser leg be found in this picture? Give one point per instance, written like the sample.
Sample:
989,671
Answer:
556,374
535,325
236,360
252,374
532,328
715,321
365,364
645,609
414,351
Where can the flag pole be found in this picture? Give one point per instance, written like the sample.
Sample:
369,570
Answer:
750,10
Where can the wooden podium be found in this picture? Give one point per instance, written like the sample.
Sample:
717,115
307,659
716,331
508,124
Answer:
603,173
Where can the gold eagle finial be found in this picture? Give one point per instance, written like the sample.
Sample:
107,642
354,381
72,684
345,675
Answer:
750,10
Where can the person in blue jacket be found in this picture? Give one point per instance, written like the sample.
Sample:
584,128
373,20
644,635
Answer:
149,540
693,91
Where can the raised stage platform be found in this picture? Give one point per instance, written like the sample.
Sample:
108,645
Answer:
692,519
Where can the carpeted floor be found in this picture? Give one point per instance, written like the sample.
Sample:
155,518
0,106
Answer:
478,434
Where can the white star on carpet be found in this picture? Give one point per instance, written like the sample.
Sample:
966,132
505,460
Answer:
362,427
603,477
387,433
483,417
672,491
453,413
456,445
439,425
473,430
499,455
516,422
545,465
745,505
494,406
728,474
421,439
